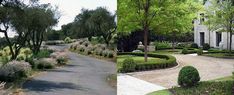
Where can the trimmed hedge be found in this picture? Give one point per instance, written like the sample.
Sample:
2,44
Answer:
170,61
189,50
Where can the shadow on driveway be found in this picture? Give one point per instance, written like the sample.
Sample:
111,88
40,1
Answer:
47,86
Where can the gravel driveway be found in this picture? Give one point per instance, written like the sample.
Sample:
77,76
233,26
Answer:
82,76
208,67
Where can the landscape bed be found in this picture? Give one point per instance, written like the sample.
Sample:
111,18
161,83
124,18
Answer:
155,61
204,88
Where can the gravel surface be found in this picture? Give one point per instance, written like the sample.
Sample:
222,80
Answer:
208,67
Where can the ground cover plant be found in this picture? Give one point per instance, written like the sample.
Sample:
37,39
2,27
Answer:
85,47
204,88
156,61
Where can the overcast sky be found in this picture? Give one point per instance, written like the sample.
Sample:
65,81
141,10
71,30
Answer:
70,8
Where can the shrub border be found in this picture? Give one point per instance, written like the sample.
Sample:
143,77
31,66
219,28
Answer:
171,61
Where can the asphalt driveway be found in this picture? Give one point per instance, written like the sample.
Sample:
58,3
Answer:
82,76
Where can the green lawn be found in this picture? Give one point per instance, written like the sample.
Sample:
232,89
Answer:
168,51
161,92
220,86
137,59
220,55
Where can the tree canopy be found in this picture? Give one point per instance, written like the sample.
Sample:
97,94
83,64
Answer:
156,15
89,23
30,22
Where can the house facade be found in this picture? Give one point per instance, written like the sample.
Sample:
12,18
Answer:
215,39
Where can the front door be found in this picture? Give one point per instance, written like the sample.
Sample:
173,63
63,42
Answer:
202,38
218,38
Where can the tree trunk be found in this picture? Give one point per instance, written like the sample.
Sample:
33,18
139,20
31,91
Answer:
230,44
173,41
13,55
145,43
146,28
227,41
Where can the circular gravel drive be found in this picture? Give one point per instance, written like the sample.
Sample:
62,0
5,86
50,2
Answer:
208,67
82,76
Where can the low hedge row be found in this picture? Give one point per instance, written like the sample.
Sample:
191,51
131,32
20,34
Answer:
218,51
170,61
189,50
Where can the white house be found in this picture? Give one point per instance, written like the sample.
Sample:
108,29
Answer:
215,39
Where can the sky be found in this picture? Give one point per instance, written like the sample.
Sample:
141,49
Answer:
70,8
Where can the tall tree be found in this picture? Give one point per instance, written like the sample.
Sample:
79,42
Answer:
102,22
38,20
154,15
9,11
223,18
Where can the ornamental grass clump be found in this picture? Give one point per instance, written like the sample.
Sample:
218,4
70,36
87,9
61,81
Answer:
67,40
46,63
62,60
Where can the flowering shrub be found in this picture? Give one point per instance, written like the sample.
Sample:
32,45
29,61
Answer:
14,70
62,60
46,63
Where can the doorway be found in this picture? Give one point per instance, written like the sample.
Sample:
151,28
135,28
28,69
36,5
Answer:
218,38
202,38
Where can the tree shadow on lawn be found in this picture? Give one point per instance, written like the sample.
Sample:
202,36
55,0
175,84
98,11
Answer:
47,86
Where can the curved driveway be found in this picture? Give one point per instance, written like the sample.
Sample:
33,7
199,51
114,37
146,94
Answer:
208,67
82,76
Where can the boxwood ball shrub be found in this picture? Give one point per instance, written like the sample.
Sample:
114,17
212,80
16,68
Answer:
206,46
128,65
184,51
199,52
194,45
188,76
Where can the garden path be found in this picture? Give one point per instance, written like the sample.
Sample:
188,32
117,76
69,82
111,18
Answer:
128,85
208,67
82,76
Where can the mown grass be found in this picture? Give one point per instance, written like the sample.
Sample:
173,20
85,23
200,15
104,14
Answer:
168,51
220,55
